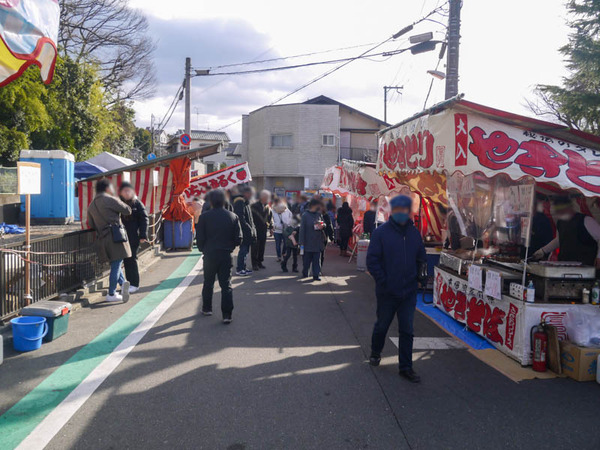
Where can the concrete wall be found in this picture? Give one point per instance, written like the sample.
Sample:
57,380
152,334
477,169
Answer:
306,158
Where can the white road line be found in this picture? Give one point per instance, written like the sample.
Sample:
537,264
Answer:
52,424
433,343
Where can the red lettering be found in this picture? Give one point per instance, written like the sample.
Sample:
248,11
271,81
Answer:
580,168
461,306
412,149
511,326
390,155
400,145
495,151
427,162
448,298
493,319
475,314
540,159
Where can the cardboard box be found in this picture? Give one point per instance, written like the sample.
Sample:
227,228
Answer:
579,363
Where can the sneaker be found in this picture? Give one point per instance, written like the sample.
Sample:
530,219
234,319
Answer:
227,320
242,273
284,269
125,291
114,298
207,313
133,289
316,278
248,272
374,360
410,375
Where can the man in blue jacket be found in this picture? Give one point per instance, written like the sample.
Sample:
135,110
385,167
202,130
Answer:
394,254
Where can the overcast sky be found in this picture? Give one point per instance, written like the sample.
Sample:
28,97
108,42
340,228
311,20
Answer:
506,49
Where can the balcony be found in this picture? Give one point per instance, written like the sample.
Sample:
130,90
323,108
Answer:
359,154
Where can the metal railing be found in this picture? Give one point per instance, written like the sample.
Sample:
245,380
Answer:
59,264
359,154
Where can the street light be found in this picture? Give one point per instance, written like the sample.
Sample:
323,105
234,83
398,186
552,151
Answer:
437,74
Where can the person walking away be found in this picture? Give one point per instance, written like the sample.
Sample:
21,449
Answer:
311,239
104,216
219,233
206,205
136,225
345,222
282,217
291,235
395,252
328,233
262,215
369,218
241,208
300,205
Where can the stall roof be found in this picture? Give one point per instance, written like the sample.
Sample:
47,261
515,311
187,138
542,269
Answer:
555,130
84,169
195,153
110,161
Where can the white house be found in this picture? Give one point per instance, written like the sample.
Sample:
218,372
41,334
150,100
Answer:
288,147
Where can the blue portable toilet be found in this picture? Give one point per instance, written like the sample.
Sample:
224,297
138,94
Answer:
56,203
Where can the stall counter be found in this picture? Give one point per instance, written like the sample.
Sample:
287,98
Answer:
505,323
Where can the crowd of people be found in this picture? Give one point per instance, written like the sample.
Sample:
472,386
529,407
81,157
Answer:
226,220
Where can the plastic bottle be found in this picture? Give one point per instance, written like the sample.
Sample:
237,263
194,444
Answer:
530,292
596,294
301,250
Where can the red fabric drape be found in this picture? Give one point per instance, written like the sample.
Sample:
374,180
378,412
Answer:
177,209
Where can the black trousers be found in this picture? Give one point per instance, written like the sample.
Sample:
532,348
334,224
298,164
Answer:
404,308
258,248
344,238
293,253
132,273
218,265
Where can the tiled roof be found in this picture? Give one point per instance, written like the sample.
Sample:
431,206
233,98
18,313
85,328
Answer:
206,135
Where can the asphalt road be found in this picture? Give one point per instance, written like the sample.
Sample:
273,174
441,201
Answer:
290,372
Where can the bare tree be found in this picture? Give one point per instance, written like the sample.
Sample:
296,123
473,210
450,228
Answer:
114,37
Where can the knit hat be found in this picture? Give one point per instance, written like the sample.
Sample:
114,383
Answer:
401,201
124,185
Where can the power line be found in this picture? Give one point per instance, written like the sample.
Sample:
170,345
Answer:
289,57
344,64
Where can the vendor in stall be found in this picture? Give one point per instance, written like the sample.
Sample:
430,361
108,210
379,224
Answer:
578,236
541,226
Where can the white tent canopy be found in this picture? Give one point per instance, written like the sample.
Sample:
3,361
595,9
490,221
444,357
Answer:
110,161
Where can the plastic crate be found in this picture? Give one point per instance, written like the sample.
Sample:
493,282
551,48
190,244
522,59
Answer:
57,316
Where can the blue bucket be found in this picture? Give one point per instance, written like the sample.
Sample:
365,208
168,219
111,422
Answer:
28,332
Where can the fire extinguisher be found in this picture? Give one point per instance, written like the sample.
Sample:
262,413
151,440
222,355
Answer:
539,347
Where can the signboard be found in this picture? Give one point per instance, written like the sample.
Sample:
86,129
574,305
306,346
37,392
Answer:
29,176
488,146
221,179
185,139
475,277
493,284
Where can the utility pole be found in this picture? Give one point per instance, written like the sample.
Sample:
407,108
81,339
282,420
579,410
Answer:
453,44
398,89
188,94
152,133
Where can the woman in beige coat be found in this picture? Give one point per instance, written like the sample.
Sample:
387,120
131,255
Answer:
106,209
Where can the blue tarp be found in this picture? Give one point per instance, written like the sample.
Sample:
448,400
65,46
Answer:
86,169
11,229
452,326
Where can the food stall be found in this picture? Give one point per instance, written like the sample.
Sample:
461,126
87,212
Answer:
485,167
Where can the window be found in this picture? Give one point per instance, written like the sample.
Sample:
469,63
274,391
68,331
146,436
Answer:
210,167
281,141
329,140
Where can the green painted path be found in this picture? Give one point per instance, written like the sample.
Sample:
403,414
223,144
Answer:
19,421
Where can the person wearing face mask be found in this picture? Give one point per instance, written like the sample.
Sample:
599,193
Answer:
578,236
395,252
541,227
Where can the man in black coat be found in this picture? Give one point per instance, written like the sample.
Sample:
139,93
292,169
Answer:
262,215
241,207
218,234
136,225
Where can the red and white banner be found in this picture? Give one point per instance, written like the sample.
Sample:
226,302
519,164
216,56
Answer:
355,179
460,139
221,179
505,323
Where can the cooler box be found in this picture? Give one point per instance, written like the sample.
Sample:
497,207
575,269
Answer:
178,235
56,313
361,254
